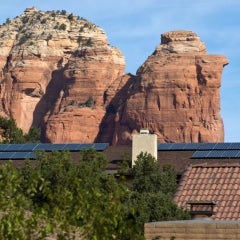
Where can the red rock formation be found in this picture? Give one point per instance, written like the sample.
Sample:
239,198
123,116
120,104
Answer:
55,68
79,111
58,72
176,93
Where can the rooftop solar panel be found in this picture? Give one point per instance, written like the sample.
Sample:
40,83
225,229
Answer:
177,146
44,146
164,146
57,147
200,154
29,146
72,147
230,153
3,147
207,146
234,146
198,146
31,155
14,147
80,147
185,146
100,146
191,146
215,154
222,146
86,146
6,155
238,154
22,155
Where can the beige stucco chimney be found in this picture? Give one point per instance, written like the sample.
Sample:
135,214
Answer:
143,142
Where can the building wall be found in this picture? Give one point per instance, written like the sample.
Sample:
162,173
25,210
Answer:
144,143
192,230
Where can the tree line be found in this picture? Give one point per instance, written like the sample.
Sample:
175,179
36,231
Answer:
53,197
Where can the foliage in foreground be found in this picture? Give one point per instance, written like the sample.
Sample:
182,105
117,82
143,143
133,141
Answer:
57,198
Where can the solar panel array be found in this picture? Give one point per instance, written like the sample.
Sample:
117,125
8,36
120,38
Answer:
17,155
27,150
177,146
205,150
198,146
217,154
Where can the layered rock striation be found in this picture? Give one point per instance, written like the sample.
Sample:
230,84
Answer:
58,72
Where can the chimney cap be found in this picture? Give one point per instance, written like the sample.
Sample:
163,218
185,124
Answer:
144,131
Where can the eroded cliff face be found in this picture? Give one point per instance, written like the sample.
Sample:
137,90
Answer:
175,94
58,72
79,110
54,70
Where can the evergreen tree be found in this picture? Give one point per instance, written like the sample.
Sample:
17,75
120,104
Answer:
152,192
10,133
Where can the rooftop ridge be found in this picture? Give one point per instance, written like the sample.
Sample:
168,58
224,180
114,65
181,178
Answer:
210,165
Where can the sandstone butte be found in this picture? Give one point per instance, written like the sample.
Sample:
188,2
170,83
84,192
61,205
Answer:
58,72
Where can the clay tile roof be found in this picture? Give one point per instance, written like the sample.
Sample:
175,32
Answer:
212,183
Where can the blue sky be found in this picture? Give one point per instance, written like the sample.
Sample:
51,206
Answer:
134,26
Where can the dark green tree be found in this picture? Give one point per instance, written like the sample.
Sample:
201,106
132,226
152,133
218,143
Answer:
56,197
33,135
79,197
152,192
10,133
18,220
149,177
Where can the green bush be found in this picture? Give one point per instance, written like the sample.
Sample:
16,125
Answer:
62,27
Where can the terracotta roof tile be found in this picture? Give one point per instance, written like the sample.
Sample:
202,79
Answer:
236,170
232,180
212,183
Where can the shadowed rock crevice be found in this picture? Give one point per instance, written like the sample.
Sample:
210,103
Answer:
50,101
